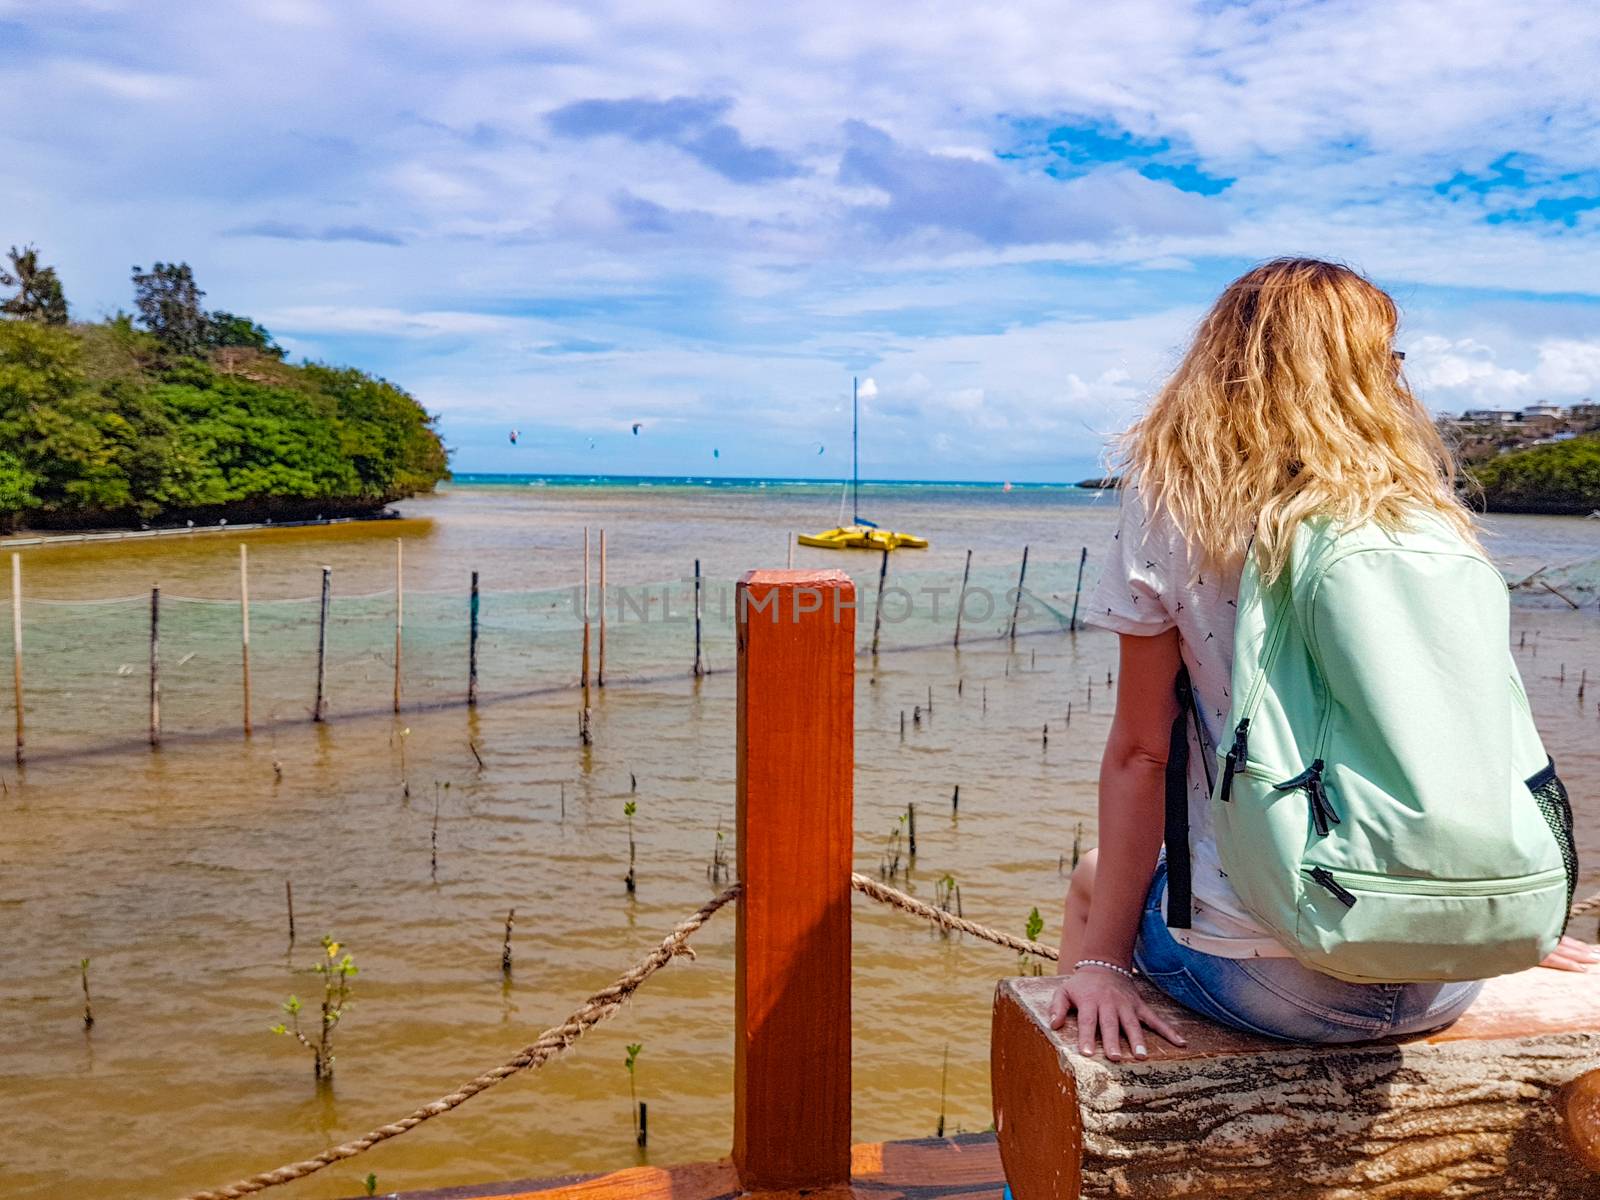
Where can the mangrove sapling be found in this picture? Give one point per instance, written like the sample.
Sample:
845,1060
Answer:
717,868
631,879
947,897
1032,930
505,949
1077,845
640,1133
88,1008
371,1183
337,971
944,1084
889,865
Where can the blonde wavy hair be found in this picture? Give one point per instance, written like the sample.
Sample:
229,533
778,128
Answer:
1290,403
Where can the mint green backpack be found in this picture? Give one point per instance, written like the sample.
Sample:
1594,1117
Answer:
1382,802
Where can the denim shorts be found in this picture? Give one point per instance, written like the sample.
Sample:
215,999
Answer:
1282,998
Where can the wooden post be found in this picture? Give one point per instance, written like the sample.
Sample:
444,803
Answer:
795,760
791,550
1083,557
1017,607
699,663
961,599
472,645
399,613
244,630
16,647
320,711
600,669
584,673
877,611
155,665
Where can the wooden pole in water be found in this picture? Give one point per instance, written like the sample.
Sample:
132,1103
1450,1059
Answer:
877,612
399,613
791,550
795,758
584,674
16,647
155,665
1017,607
699,664
600,670
244,630
1083,557
961,597
472,645
319,712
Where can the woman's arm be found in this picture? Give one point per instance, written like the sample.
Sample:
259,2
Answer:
1132,793
1132,818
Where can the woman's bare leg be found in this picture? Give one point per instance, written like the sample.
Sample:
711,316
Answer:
1075,917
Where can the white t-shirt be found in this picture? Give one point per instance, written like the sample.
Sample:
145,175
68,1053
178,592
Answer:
1144,590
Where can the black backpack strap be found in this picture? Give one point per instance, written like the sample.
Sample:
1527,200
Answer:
1179,874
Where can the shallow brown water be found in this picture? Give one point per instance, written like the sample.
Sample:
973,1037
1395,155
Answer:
167,868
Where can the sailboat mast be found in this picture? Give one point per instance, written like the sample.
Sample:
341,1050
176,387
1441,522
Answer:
855,451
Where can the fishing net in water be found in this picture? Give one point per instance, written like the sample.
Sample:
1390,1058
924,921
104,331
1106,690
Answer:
1573,584
87,663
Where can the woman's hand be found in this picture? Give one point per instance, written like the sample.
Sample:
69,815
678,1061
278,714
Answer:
1112,1005
1572,955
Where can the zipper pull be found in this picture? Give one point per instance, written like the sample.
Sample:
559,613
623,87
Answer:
1323,818
1236,757
1340,893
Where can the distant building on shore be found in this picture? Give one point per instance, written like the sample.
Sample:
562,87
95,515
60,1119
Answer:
1480,433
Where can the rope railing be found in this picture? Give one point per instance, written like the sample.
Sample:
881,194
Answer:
549,1044
895,898
607,1000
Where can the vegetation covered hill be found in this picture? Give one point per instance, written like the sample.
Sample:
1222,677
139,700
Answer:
1555,477
187,414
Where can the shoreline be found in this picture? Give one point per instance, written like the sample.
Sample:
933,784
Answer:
46,538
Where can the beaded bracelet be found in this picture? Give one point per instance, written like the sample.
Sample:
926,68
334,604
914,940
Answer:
1100,962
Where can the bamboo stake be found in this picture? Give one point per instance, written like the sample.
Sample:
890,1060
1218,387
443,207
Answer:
155,665
791,550
699,665
399,613
1083,557
584,673
961,597
319,712
1017,607
288,898
472,646
877,614
244,630
16,647
600,671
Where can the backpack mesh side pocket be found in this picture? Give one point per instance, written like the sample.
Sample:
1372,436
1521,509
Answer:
1551,796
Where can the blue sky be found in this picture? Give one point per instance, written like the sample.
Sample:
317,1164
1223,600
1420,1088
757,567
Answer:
568,218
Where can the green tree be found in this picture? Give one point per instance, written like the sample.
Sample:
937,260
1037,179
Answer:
1555,477
168,301
39,296
229,329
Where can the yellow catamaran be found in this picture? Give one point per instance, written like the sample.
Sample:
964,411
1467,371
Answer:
860,534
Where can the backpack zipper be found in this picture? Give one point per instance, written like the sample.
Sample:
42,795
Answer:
1322,815
1366,881
1238,757
1340,893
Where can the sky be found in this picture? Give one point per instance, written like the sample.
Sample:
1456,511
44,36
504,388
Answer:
565,219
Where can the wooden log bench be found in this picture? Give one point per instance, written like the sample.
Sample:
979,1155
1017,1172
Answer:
1504,1103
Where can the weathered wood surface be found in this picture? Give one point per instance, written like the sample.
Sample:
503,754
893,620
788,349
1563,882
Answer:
1505,1103
966,1167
